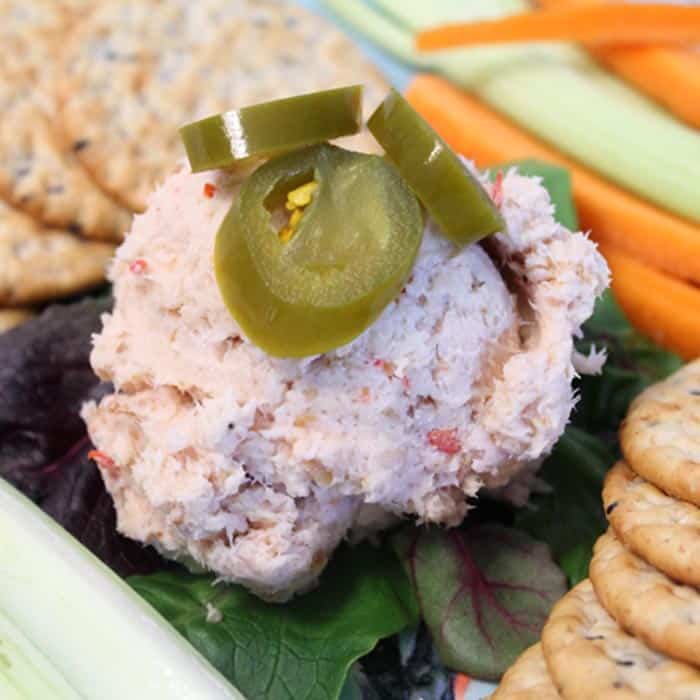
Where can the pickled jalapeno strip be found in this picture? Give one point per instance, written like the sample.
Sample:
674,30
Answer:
271,128
307,288
453,197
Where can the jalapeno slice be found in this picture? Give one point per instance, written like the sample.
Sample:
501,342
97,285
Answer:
453,197
307,283
271,128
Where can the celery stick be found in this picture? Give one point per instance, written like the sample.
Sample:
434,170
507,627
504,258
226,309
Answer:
82,628
559,94
377,28
24,671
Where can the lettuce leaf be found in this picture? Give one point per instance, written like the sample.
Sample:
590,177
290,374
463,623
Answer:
570,518
44,379
302,649
633,364
484,592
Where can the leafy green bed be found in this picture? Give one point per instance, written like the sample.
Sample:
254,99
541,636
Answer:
387,621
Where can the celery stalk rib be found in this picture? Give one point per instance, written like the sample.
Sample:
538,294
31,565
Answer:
24,671
554,91
65,614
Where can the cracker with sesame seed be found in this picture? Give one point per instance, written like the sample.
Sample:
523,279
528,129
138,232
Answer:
662,530
41,176
589,656
663,614
9,318
527,679
38,265
660,437
137,70
28,32
39,173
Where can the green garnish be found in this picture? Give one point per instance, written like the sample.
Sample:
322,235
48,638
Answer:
271,128
454,198
308,283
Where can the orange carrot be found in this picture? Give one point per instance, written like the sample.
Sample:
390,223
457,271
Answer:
665,309
614,216
669,75
461,685
597,24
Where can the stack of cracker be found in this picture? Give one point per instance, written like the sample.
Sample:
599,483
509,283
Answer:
633,629
92,93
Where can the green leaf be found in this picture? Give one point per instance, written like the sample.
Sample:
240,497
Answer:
485,592
570,518
298,651
556,180
633,364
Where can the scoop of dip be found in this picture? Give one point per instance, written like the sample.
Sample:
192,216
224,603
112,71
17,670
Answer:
256,467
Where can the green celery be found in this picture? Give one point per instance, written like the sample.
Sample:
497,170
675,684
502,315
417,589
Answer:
554,91
24,671
70,628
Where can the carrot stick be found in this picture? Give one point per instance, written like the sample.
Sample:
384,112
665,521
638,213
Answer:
665,309
596,24
614,216
669,75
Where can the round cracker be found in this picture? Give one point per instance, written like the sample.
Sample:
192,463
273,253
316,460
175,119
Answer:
38,265
662,530
660,437
589,656
137,70
527,679
9,318
28,32
645,602
39,174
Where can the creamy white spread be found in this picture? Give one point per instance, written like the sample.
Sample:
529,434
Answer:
257,467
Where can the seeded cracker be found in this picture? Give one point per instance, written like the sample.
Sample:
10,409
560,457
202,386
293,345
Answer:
38,265
527,679
39,172
660,529
137,70
590,657
661,435
663,614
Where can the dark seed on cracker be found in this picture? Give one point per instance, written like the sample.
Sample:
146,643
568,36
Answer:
80,144
612,507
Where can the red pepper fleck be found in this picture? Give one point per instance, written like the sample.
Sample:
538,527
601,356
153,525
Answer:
406,383
378,363
209,190
104,462
445,440
497,191
138,267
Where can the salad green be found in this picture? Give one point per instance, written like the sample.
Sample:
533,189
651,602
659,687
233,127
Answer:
484,592
299,650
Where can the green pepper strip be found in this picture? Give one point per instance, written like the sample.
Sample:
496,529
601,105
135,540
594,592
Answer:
452,195
271,128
